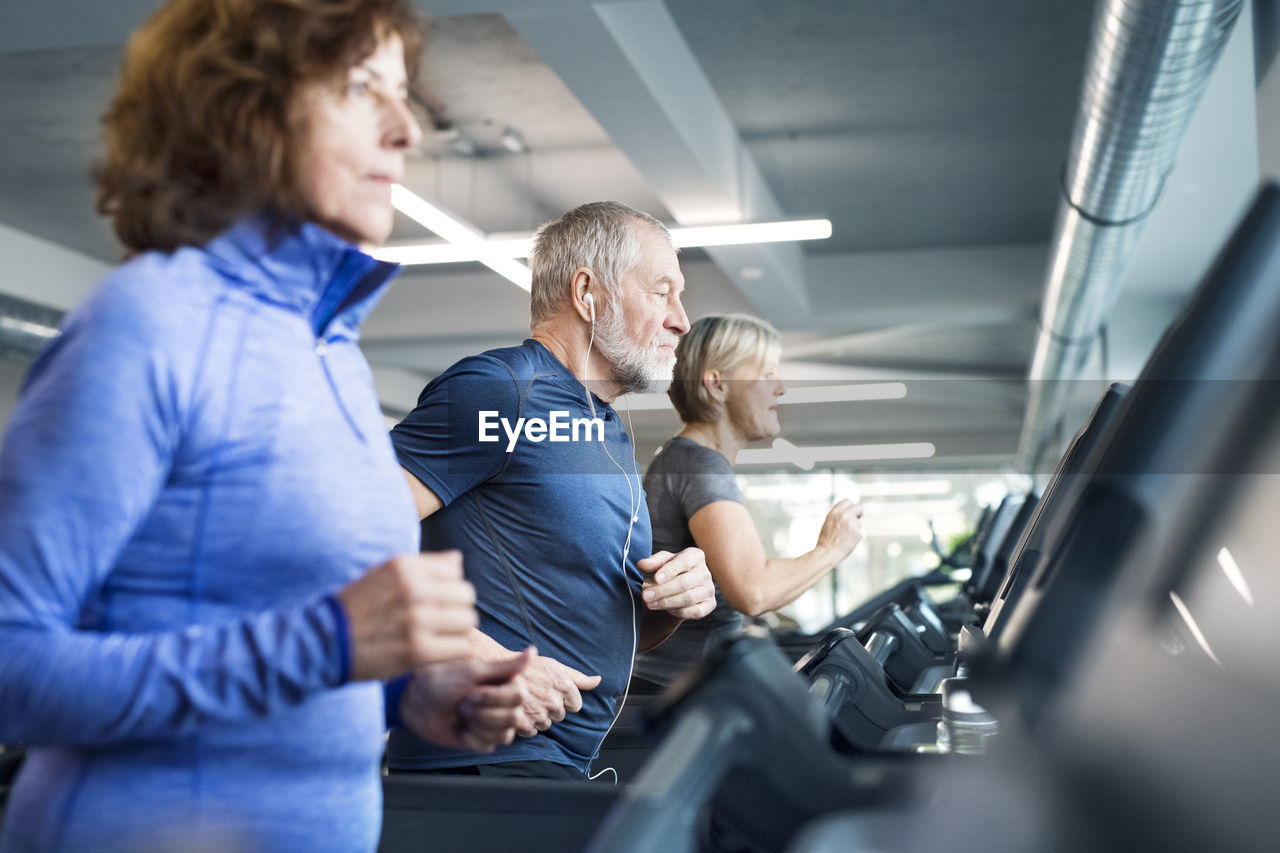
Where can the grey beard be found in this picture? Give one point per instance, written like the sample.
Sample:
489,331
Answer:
631,368
634,379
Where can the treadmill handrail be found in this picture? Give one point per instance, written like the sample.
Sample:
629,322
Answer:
658,811
881,645
831,692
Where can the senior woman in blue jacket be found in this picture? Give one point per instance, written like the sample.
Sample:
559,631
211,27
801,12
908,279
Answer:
207,550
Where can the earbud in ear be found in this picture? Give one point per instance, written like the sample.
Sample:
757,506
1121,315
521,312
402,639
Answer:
591,305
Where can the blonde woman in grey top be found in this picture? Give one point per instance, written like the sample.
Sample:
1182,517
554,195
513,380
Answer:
726,391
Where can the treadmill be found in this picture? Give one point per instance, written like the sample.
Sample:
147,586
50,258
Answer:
907,594
1060,495
1203,414
1153,726
873,712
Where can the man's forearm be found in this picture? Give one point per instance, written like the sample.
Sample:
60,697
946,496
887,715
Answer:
484,647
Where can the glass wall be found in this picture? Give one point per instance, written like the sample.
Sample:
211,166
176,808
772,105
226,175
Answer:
788,509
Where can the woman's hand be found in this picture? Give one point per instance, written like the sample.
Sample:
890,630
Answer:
413,609
841,530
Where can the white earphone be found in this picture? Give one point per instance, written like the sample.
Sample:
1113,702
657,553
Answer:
634,498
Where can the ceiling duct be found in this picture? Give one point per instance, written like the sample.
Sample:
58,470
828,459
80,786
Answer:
1148,64
25,327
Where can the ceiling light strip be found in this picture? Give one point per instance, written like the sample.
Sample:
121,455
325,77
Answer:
848,393
751,232
467,245
843,393
837,453
457,233
28,327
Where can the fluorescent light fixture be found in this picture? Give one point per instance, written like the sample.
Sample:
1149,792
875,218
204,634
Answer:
28,327
870,452
793,454
518,245
463,145
843,393
846,393
452,253
751,232
513,141
456,232
839,453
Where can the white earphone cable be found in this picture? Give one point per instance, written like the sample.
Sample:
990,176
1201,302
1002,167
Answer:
634,497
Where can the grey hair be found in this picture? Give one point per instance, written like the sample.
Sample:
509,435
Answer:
722,342
602,236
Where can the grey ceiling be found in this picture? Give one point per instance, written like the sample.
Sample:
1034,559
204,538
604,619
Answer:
947,122
931,133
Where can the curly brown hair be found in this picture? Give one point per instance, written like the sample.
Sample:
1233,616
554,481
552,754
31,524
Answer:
201,131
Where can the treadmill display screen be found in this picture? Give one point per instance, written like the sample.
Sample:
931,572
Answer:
1226,610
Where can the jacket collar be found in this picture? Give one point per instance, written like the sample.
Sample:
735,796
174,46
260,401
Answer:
306,268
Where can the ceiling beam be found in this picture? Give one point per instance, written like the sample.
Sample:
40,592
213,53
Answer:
44,272
630,67
858,291
822,371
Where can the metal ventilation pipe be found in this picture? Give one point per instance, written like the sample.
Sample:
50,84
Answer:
1148,64
25,327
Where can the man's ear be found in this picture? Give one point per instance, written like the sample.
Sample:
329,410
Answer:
584,293
717,385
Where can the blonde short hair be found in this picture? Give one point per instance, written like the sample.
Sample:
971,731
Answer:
723,342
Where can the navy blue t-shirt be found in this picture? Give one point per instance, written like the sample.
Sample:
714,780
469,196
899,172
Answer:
541,521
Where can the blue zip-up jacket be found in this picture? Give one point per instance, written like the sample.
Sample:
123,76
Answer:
195,465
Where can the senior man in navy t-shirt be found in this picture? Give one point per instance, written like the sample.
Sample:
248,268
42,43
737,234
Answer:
517,459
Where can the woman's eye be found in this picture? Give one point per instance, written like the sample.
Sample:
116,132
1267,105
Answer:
358,87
